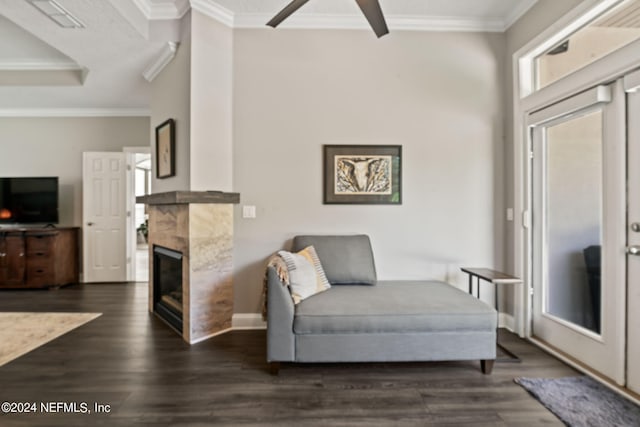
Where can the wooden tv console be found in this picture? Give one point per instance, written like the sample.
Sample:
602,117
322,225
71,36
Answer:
38,257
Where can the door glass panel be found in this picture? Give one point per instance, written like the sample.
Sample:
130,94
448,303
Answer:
607,33
573,223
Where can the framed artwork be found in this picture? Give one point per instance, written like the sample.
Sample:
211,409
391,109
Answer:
166,149
363,174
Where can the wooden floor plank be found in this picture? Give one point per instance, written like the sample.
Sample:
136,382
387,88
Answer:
133,362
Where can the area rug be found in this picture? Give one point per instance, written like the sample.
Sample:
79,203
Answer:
582,401
22,332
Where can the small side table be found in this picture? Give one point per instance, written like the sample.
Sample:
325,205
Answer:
497,278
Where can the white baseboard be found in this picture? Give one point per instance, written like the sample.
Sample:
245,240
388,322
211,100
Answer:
506,321
245,321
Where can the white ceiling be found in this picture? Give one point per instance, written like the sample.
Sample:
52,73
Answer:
98,69
110,51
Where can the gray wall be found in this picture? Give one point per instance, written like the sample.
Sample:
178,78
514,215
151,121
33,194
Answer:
196,90
542,15
170,100
439,95
211,105
54,147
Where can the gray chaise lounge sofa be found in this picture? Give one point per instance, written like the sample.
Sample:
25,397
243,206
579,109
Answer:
389,321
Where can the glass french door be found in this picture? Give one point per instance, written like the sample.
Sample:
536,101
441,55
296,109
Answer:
578,228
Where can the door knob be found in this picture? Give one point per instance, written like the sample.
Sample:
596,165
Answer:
635,227
633,250
90,224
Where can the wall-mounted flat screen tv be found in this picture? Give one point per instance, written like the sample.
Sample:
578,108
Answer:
29,200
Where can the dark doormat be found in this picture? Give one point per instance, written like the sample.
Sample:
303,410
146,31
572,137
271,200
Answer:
582,401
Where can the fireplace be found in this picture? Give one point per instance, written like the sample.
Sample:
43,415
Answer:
167,285
192,233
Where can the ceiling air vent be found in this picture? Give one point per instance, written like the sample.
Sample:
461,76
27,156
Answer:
57,13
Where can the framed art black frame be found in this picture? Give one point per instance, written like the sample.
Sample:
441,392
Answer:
363,174
166,149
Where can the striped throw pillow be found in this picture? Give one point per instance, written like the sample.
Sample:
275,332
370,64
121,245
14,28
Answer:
306,276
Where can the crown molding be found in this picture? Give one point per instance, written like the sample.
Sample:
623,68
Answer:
75,112
443,23
22,73
39,66
167,10
175,9
164,58
396,23
215,11
356,22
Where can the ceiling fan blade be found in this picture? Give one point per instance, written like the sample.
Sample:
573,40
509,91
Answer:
284,13
373,13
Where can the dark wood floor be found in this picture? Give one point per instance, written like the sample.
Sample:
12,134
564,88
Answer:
131,361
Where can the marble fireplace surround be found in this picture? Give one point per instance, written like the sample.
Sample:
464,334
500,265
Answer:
200,225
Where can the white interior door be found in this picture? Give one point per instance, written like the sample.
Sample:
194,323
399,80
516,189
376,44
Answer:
104,217
579,196
632,84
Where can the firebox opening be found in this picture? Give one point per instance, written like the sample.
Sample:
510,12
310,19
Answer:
167,285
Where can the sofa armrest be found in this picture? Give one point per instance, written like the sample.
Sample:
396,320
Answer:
280,311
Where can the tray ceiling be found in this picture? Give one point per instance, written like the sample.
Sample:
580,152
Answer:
44,67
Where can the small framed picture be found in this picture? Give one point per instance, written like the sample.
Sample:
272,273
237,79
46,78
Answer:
165,149
363,174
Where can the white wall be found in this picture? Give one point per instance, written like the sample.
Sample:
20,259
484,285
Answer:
54,147
439,95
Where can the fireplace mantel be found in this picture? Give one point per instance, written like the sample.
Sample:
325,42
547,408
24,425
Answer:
186,197
199,225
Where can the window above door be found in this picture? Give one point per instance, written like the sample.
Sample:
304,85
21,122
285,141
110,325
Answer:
599,30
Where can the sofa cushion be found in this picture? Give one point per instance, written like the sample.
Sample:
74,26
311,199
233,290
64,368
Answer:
393,307
345,259
306,276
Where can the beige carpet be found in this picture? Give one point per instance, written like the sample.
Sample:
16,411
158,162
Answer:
22,332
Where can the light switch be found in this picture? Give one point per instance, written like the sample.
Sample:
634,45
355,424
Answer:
248,212
509,214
